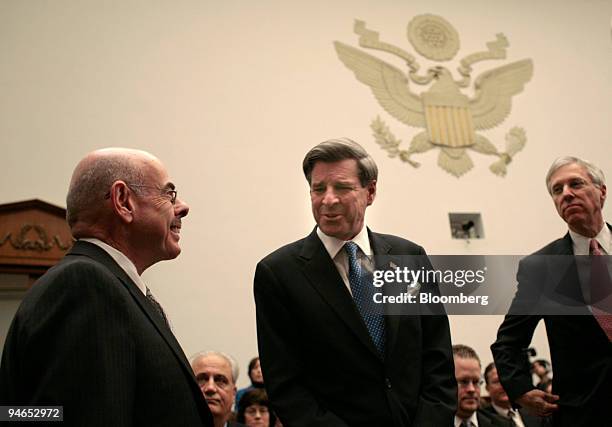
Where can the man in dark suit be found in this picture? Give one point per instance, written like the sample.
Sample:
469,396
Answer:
329,360
552,284
501,406
89,336
469,381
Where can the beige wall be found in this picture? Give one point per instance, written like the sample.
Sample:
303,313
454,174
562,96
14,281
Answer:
231,95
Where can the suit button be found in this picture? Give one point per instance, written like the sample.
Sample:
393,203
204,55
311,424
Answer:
388,382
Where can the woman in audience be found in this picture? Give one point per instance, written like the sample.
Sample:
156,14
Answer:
256,378
254,409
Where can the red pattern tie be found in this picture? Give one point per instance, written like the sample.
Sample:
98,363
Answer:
600,288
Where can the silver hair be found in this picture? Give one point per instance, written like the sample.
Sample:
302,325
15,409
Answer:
335,150
232,362
88,189
596,174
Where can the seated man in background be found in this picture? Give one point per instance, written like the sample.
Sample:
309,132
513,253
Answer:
469,380
500,403
541,368
216,374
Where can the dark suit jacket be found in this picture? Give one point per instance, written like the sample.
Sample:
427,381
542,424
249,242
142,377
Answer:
320,365
86,337
488,419
528,420
580,351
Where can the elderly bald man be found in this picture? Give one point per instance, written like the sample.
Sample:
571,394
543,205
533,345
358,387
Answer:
88,335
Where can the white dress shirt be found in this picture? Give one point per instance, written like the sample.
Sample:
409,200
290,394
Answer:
581,246
123,261
516,416
334,247
473,420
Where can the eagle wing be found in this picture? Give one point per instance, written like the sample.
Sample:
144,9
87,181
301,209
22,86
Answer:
494,90
388,84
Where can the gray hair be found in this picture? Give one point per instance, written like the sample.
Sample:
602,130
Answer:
596,174
93,180
232,362
335,150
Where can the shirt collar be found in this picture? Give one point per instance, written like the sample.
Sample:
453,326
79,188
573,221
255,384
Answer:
501,411
473,419
581,243
333,245
123,261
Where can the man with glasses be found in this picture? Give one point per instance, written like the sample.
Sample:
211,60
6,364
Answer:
469,380
89,336
216,374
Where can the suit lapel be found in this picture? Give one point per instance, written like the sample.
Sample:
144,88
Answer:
98,254
322,274
564,272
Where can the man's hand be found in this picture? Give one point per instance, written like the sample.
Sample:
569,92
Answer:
538,402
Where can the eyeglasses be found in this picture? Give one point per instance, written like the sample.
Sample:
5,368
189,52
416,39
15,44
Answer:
170,192
466,383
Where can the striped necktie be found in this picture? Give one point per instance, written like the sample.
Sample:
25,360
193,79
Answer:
157,307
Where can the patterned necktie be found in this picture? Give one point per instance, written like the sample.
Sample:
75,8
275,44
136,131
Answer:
465,423
363,292
157,307
600,288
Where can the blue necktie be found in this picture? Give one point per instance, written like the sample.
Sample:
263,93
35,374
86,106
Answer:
363,292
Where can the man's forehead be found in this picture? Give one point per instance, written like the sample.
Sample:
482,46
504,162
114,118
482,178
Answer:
467,363
214,364
572,170
343,169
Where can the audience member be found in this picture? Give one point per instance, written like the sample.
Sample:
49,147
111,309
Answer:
469,380
256,378
216,374
500,403
254,409
541,368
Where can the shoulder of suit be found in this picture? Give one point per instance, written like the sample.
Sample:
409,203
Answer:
399,243
486,418
74,272
553,247
290,249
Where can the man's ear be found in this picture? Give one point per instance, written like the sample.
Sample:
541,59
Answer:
121,201
604,192
371,187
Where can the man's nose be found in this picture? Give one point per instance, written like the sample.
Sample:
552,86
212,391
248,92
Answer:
330,197
209,386
181,208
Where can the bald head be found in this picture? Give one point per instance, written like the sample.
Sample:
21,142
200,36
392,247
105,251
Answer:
93,177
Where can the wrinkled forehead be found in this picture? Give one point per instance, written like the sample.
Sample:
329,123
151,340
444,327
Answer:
213,365
570,171
153,171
